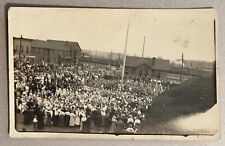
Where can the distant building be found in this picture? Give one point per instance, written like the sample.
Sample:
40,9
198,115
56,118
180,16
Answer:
49,51
152,67
161,69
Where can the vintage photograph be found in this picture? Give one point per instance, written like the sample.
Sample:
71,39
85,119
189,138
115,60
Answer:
113,72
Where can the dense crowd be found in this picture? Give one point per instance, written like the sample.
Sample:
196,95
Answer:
89,97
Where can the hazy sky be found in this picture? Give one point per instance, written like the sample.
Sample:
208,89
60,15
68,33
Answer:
168,32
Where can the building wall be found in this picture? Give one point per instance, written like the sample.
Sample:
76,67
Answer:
40,54
129,72
143,71
24,49
70,57
160,75
54,56
155,74
50,55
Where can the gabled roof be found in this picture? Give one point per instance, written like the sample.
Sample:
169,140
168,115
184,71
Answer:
65,43
18,38
55,44
52,44
156,63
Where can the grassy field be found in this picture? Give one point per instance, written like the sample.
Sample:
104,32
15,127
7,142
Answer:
193,96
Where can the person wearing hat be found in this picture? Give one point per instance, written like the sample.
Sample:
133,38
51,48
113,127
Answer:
83,122
67,118
55,116
113,126
72,119
130,120
77,117
61,121
120,125
49,117
35,122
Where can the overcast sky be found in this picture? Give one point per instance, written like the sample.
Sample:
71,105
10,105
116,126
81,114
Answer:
168,32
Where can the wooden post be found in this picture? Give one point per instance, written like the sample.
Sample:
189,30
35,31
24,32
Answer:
182,66
125,51
21,37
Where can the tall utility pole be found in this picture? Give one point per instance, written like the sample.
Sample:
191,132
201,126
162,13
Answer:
125,51
21,37
71,56
48,60
77,54
143,48
95,54
191,70
77,63
111,59
182,67
119,58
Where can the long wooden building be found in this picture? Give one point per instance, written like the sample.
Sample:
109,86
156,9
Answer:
49,51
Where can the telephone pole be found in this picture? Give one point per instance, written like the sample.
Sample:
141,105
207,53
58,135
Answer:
111,57
95,54
125,51
20,46
182,67
71,57
119,58
143,48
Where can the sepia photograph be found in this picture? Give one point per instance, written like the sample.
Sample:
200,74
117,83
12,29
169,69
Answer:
112,72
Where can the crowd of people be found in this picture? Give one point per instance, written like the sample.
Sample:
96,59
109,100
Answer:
90,97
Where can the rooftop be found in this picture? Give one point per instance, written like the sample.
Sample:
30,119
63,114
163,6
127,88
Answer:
52,44
154,63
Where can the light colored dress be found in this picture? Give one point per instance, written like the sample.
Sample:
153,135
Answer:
77,119
72,119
